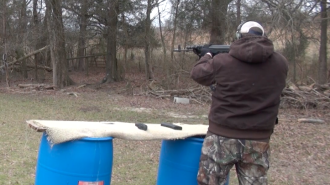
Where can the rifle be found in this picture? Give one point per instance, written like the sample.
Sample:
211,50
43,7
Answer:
213,49
197,49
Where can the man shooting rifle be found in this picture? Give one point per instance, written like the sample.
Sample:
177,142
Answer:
249,82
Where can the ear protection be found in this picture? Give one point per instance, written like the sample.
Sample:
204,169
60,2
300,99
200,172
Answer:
238,32
245,27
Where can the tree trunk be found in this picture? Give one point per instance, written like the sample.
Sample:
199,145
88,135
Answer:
57,44
165,67
40,37
111,59
23,30
36,28
4,40
238,13
218,16
125,44
174,28
294,57
323,45
83,16
148,71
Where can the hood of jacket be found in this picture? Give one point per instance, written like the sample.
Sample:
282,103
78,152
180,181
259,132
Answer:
252,49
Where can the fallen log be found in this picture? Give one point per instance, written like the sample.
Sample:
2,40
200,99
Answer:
37,86
48,69
26,56
310,120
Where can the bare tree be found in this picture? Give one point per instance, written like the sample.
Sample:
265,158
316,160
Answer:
175,18
22,33
148,71
125,38
4,39
238,12
218,17
291,22
83,17
323,69
38,57
161,33
57,44
111,36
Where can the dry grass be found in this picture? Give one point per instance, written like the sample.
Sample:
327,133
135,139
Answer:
300,151
135,162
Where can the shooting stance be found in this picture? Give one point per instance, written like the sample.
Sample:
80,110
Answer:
249,82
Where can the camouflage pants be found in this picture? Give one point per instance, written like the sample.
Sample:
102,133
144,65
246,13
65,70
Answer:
220,154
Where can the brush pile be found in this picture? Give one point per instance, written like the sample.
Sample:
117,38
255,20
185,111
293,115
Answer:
306,97
314,96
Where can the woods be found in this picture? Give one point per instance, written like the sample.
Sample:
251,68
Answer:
114,60
141,35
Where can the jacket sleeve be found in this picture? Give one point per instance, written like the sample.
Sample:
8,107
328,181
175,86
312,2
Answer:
202,72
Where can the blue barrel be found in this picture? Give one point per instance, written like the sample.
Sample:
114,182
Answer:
179,161
78,162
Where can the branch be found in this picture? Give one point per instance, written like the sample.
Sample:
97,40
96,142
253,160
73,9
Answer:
26,56
310,120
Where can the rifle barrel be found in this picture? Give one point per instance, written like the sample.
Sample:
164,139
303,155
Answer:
219,47
179,50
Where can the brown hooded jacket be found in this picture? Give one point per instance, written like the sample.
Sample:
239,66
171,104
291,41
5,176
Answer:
249,82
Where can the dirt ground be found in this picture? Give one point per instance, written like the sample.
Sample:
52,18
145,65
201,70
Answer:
300,152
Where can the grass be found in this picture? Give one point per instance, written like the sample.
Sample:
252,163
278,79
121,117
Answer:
300,151
135,162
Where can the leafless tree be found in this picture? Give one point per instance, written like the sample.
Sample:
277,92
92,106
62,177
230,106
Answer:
112,25
4,39
82,19
161,34
57,44
22,33
291,22
148,70
238,12
176,12
323,69
218,15
40,36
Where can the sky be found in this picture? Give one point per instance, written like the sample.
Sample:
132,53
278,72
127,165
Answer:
164,8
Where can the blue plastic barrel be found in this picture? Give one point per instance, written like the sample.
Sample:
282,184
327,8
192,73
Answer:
179,161
78,162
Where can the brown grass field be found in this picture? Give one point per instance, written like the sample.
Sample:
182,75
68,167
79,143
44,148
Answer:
300,152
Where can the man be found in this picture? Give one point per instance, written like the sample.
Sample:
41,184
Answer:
249,81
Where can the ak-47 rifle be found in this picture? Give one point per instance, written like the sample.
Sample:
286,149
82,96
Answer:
200,50
197,49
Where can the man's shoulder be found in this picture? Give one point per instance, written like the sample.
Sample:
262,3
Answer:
278,56
281,61
222,57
